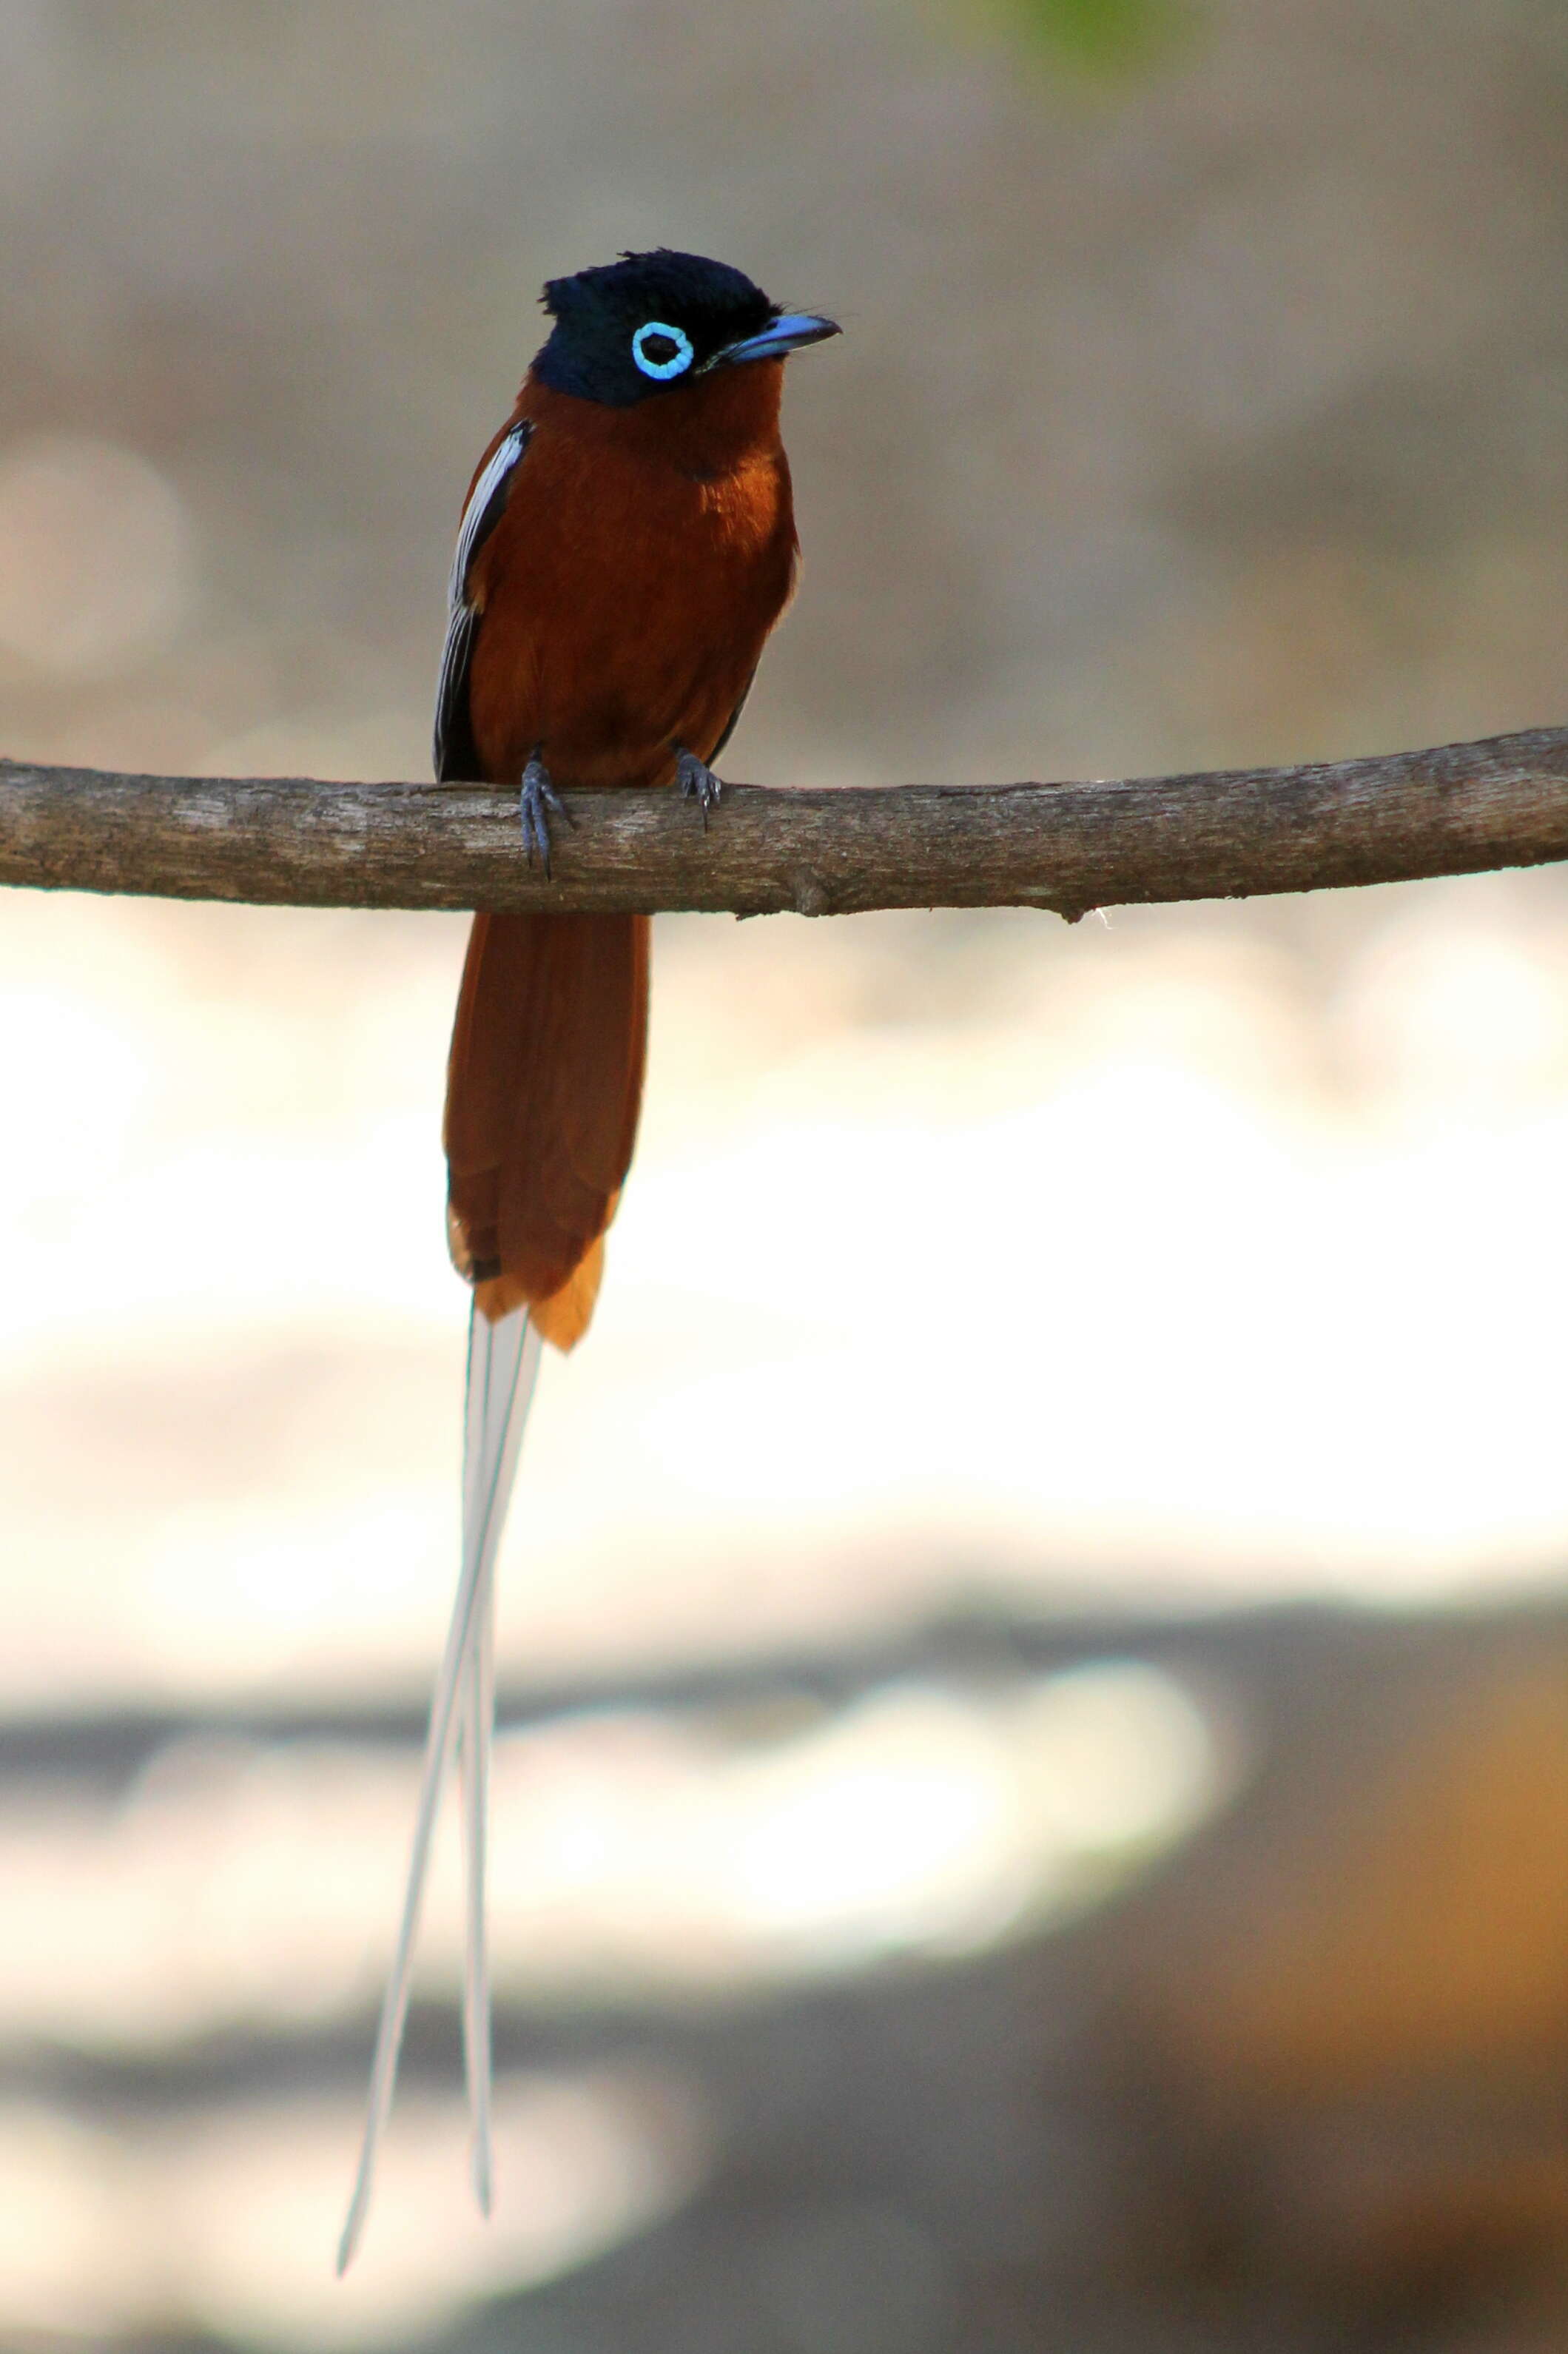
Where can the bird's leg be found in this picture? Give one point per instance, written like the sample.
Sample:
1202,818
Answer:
540,802
698,782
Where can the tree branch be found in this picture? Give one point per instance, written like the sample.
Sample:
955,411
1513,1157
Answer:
1070,847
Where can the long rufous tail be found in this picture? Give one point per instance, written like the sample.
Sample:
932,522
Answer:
543,1093
543,1087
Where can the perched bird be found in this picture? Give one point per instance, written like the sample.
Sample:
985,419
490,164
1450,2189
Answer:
627,544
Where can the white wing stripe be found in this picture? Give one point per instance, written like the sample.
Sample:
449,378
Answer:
503,458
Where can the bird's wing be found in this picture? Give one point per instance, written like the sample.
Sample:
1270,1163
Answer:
455,755
733,721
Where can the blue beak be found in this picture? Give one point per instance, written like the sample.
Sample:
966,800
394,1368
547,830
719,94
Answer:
786,333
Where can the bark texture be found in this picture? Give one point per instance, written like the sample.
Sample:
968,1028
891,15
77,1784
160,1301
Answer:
1452,810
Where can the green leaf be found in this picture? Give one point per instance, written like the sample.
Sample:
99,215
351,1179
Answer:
1105,39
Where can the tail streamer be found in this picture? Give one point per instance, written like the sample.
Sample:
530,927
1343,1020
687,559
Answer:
503,1366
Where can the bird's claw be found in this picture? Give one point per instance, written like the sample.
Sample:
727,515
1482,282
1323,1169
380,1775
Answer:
540,802
697,783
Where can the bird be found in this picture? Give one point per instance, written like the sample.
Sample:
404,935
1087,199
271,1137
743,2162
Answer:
626,548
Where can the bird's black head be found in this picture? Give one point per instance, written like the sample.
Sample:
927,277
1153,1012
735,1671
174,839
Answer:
652,322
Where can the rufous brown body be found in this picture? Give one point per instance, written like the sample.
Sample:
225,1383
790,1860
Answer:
616,605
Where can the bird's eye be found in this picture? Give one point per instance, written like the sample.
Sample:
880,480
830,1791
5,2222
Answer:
662,351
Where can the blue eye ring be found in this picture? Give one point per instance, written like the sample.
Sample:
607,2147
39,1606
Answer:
661,370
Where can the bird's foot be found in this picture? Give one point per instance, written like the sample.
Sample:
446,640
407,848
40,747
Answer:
540,802
698,782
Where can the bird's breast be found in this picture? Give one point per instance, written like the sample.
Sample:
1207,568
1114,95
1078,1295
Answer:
627,594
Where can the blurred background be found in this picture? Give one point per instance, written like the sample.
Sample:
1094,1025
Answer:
1032,1808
